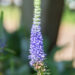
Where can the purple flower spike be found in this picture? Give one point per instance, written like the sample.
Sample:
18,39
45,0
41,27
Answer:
37,54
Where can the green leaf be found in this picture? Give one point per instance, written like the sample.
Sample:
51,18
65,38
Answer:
2,57
1,18
10,50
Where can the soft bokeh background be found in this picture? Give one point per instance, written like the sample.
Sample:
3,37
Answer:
58,30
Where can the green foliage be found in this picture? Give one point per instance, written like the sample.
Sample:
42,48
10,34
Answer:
1,18
68,16
47,71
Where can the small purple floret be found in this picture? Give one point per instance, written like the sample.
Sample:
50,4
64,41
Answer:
36,45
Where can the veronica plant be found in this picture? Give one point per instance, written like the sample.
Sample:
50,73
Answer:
37,55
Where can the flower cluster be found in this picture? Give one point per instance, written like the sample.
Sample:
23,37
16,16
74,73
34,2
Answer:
37,54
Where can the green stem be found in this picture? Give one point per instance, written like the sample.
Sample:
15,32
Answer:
39,72
1,35
12,66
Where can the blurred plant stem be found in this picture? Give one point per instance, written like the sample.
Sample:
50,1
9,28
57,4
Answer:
12,66
1,51
39,72
1,63
1,68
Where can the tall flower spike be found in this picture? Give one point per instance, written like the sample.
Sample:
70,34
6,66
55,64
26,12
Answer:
37,54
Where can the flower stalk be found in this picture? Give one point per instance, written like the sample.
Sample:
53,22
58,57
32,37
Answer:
37,55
